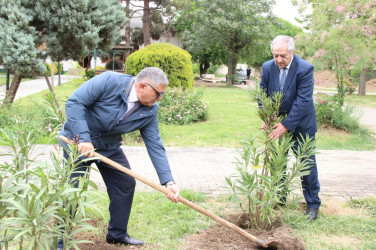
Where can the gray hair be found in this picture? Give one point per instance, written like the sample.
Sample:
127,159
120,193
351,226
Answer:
152,75
282,38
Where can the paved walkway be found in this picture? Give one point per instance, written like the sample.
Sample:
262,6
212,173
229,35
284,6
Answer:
34,86
341,172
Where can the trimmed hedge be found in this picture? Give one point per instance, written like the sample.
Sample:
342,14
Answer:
174,61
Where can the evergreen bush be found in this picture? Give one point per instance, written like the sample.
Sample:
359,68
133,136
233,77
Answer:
174,61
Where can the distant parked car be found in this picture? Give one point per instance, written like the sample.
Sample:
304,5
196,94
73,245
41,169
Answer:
240,76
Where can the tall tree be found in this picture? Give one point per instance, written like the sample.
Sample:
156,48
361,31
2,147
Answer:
342,36
69,29
156,19
205,54
230,26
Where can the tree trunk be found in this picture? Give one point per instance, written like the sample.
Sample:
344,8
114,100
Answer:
362,82
146,23
128,24
231,64
12,91
127,30
88,63
204,66
52,74
52,90
229,70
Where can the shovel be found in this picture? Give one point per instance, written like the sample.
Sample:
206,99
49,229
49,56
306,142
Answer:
181,199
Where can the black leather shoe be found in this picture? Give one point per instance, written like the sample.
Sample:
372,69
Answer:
126,241
312,212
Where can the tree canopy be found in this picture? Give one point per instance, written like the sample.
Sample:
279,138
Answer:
32,30
228,27
342,36
259,52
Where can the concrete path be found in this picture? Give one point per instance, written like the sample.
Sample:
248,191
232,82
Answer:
341,172
34,86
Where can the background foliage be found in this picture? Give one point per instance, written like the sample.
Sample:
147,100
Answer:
182,107
174,61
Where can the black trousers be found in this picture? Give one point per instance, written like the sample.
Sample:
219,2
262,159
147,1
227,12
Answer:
310,182
120,189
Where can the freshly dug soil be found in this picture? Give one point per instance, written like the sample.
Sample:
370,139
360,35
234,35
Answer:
215,237
219,237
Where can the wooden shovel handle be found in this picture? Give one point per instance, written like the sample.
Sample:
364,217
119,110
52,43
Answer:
181,199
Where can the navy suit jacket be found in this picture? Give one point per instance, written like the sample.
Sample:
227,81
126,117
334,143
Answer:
298,91
95,111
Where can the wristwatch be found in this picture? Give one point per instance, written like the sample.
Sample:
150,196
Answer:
169,183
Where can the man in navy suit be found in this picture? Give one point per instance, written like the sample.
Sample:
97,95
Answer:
98,113
293,76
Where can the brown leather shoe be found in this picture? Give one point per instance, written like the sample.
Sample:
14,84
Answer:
126,241
312,212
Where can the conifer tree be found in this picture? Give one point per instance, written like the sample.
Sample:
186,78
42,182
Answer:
69,29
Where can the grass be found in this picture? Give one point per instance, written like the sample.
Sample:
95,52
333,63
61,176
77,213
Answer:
165,225
364,101
332,139
232,117
355,229
155,219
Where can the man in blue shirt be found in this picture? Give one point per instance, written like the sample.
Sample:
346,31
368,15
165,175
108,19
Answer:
98,113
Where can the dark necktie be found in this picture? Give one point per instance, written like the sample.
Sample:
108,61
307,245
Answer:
132,110
283,79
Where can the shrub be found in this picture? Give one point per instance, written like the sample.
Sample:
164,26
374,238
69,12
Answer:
330,113
115,64
263,179
182,107
89,74
174,61
35,197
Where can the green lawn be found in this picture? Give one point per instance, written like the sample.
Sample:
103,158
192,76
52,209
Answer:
365,101
232,117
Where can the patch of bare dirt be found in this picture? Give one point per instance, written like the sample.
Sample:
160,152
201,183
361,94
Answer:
332,207
325,78
371,85
199,83
219,237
